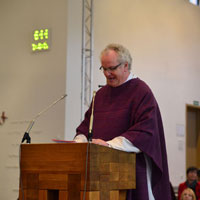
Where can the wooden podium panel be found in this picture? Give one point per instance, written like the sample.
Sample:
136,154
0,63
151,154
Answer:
58,172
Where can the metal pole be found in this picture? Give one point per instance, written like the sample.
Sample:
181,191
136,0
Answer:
87,55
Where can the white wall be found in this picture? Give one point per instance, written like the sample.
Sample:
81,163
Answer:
73,81
163,37
29,82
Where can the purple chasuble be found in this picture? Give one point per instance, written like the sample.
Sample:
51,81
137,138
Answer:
130,110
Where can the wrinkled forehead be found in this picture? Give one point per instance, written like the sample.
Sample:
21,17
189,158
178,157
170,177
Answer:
109,56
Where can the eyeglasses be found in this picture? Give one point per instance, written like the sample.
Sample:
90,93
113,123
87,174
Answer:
111,69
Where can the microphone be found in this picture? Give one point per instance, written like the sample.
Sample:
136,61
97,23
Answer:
91,119
26,134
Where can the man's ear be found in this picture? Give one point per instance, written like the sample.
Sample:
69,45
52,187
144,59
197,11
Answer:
126,66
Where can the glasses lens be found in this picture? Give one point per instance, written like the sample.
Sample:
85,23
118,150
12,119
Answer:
109,68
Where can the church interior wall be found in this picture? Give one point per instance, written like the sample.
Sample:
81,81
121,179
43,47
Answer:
162,36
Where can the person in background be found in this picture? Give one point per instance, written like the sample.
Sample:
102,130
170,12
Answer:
198,174
127,117
188,194
191,182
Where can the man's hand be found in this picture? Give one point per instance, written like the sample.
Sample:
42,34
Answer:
100,142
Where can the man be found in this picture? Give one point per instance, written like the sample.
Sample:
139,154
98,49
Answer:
127,117
191,182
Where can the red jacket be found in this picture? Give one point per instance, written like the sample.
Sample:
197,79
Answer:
183,186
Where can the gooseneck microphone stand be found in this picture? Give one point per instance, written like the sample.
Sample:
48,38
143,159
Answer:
26,134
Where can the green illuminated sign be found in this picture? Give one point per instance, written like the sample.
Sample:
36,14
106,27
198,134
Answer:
40,40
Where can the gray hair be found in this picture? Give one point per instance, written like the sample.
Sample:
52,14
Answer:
122,52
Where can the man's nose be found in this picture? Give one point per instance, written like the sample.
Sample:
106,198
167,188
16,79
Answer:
107,72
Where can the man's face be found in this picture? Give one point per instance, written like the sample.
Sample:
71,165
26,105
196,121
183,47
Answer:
117,76
192,176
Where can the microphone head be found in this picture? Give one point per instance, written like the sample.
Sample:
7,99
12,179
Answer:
63,96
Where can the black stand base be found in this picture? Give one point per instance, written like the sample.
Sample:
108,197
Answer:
90,137
27,138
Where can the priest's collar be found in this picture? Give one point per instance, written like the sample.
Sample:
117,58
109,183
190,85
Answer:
131,76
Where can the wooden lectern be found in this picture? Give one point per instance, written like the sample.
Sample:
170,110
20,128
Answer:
60,172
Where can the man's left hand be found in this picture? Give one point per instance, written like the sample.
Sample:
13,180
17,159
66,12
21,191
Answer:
100,142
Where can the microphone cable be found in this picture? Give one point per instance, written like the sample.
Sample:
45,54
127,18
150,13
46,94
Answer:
86,171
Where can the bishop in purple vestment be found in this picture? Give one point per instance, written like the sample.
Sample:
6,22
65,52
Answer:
127,117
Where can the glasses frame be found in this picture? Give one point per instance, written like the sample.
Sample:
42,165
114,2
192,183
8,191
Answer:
109,68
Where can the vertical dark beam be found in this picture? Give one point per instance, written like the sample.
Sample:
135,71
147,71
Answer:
74,186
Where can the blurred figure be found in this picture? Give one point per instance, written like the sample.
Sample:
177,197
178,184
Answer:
188,194
191,183
198,175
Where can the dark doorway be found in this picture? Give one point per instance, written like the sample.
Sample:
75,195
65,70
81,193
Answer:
192,136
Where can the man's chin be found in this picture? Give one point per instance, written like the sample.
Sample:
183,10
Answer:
112,83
